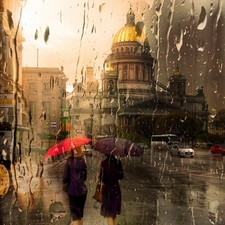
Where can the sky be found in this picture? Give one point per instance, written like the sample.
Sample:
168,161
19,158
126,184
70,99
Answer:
81,33
184,33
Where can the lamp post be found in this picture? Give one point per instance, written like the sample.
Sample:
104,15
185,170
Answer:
91,128
65,122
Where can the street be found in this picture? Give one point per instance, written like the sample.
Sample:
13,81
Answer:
158,190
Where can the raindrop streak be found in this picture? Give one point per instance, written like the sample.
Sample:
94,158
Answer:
201,45
215,27
180,43
211,9
220,65
202,19
170,19
46,34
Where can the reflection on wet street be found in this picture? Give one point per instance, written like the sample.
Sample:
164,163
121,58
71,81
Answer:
161,189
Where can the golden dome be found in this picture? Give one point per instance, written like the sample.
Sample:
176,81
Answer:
127,33
130,32
109,68
177,72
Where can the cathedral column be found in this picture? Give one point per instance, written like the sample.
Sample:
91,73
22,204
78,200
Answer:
141,72
128,72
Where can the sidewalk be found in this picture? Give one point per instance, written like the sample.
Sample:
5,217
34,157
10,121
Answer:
45,202
92,208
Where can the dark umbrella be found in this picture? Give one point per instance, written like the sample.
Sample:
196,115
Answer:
118,147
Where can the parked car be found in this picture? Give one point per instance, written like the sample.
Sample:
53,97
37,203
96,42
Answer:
203,144
217,149
87,149
182,150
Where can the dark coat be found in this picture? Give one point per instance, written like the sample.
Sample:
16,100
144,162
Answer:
76,174
110,173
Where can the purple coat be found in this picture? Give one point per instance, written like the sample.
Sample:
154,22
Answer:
76,174
110,174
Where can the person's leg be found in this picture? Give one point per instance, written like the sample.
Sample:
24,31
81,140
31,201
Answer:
82,204
74,210
77,222
110,221
114,220
81,221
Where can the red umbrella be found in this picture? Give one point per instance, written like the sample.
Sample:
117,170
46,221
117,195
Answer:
118,147
66,145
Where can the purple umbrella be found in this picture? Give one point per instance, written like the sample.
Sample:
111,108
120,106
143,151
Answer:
118,147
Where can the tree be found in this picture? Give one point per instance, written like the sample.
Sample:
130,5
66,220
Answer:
183,124
219,120
145,125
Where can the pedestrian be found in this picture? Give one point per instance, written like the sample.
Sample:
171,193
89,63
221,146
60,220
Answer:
75,174
111,171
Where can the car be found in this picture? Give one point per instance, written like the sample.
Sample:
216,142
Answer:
182,150
200,144
162,141
87,150
217,149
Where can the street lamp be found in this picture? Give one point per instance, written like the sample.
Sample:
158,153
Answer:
65,122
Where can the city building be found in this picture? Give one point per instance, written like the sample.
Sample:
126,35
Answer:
45,91
84,106
128,89
11,69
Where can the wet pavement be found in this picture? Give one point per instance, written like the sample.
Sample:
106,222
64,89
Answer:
159,190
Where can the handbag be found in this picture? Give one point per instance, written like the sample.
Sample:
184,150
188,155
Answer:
99,188
98,192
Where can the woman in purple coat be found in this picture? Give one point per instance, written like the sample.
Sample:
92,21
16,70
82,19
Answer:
111,172
75,174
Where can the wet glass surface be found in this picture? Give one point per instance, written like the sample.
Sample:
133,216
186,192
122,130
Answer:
72,68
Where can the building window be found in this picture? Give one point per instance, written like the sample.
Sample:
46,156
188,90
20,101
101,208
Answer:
76,102
137,73
46,106
46,88
143,73
110,87
32,88
33,111
179,89
125,73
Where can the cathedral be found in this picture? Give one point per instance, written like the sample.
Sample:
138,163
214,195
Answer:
128,89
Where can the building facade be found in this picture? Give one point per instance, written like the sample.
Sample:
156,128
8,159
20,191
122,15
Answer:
84,106
11,68
45,91
129,88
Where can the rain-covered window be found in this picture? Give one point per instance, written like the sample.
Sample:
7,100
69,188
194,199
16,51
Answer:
132,92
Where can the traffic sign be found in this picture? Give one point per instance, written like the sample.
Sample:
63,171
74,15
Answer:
53,125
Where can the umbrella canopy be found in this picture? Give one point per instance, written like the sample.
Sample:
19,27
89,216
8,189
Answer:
66,145
118,147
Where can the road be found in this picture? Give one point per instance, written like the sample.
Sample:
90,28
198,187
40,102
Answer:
159,190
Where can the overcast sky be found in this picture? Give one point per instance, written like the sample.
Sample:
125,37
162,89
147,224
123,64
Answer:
81,32
188,33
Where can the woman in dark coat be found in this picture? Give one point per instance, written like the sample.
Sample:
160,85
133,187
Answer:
76,174
111,172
